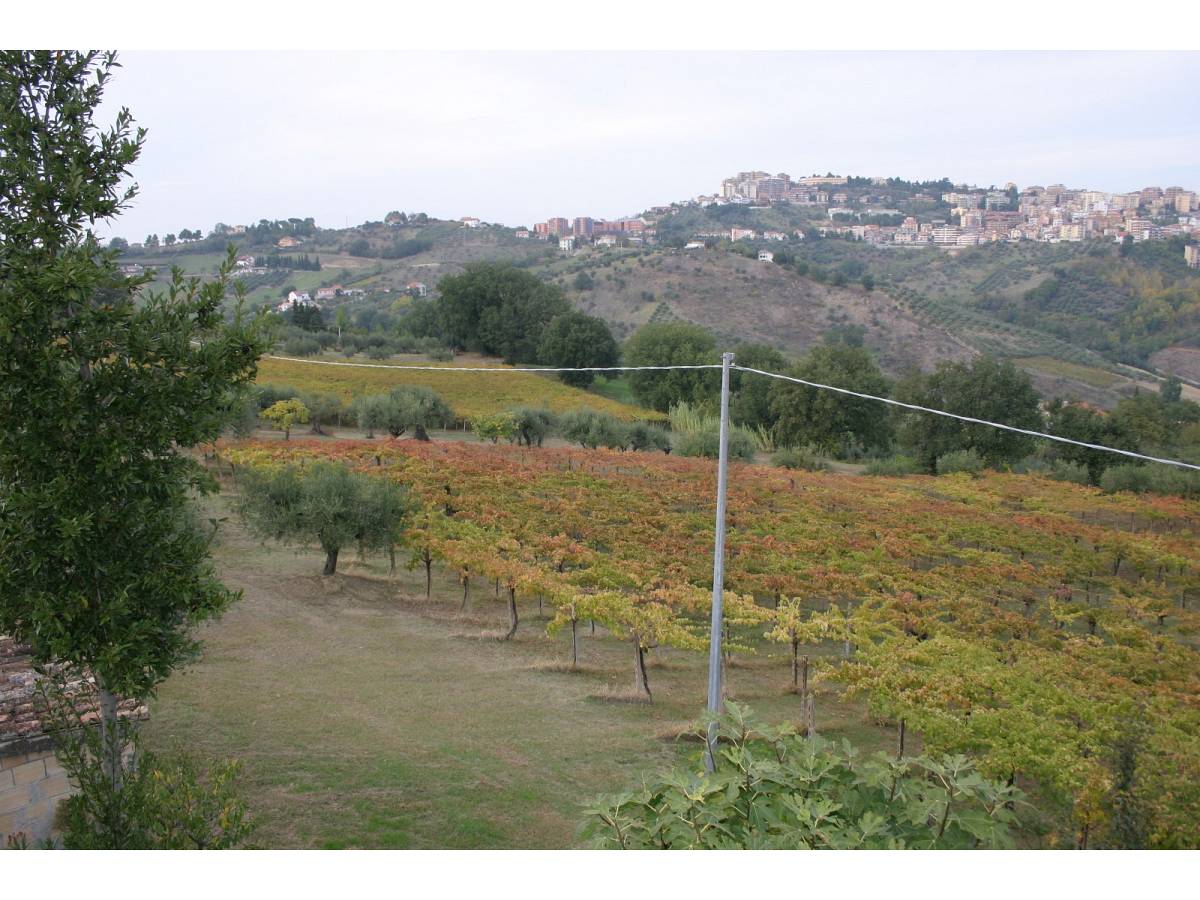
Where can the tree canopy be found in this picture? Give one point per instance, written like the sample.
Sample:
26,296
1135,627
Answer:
498,309
577,340
102,384
673,344
824,419
983,389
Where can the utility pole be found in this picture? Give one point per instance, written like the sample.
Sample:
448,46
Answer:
714,640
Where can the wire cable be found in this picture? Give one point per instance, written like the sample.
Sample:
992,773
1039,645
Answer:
813,384
971,419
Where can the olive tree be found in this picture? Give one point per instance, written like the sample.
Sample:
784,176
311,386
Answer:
325,502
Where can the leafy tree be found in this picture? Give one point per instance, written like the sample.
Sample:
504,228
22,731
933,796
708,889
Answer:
326,502
494,428
119,244
102,566
593,429
286,413
673,344
531,425
323,409
577,340
169,240
498,309
984,389
407,407
371,413
749,400
1079,423
1171,390
826,419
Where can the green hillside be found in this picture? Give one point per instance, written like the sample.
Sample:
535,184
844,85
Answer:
1074,315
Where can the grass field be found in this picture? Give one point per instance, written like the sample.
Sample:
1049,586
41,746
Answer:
1089,375
366,717
468,394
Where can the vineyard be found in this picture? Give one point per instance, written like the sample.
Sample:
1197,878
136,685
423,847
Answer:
1044,628
468,395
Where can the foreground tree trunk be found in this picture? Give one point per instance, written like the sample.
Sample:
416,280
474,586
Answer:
512,614
420,434
428,577
903,727
110,736
641,682
574,646
466,583
331,557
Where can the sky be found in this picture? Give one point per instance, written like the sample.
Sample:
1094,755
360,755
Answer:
518,137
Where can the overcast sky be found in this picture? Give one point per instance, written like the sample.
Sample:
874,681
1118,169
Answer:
519,137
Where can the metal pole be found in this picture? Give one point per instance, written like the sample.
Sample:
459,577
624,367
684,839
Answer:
714,641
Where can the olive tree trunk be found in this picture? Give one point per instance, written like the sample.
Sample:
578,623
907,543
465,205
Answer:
641,681
331,557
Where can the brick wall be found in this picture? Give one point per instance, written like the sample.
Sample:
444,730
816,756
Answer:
31,785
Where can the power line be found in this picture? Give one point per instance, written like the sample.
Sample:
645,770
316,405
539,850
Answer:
813,384
971,419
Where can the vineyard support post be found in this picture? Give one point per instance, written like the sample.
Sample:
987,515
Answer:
714,641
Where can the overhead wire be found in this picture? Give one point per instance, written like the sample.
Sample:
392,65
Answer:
813,384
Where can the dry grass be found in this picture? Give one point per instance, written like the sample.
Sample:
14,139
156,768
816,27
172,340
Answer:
362,720
619,695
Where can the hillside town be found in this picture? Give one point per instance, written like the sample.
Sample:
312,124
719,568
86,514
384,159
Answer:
885,211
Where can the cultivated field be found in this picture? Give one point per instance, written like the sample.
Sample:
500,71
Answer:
468,394
1024,621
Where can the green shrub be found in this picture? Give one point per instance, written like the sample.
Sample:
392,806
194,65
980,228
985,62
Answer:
592,429
127,798
707,443
1151,479
776,790
380,351
894,466
494,428
799,458
301,346
960,461
532,425
270,394
644,436
1061,470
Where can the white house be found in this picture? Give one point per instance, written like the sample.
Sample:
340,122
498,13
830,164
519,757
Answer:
766,256
469,221
606,240
566,244
736,234
694,245
417,288
298,297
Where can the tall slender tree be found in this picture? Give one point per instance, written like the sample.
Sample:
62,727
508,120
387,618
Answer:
102,386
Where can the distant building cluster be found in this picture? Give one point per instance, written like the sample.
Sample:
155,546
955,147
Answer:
749,187
584,229
967,216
